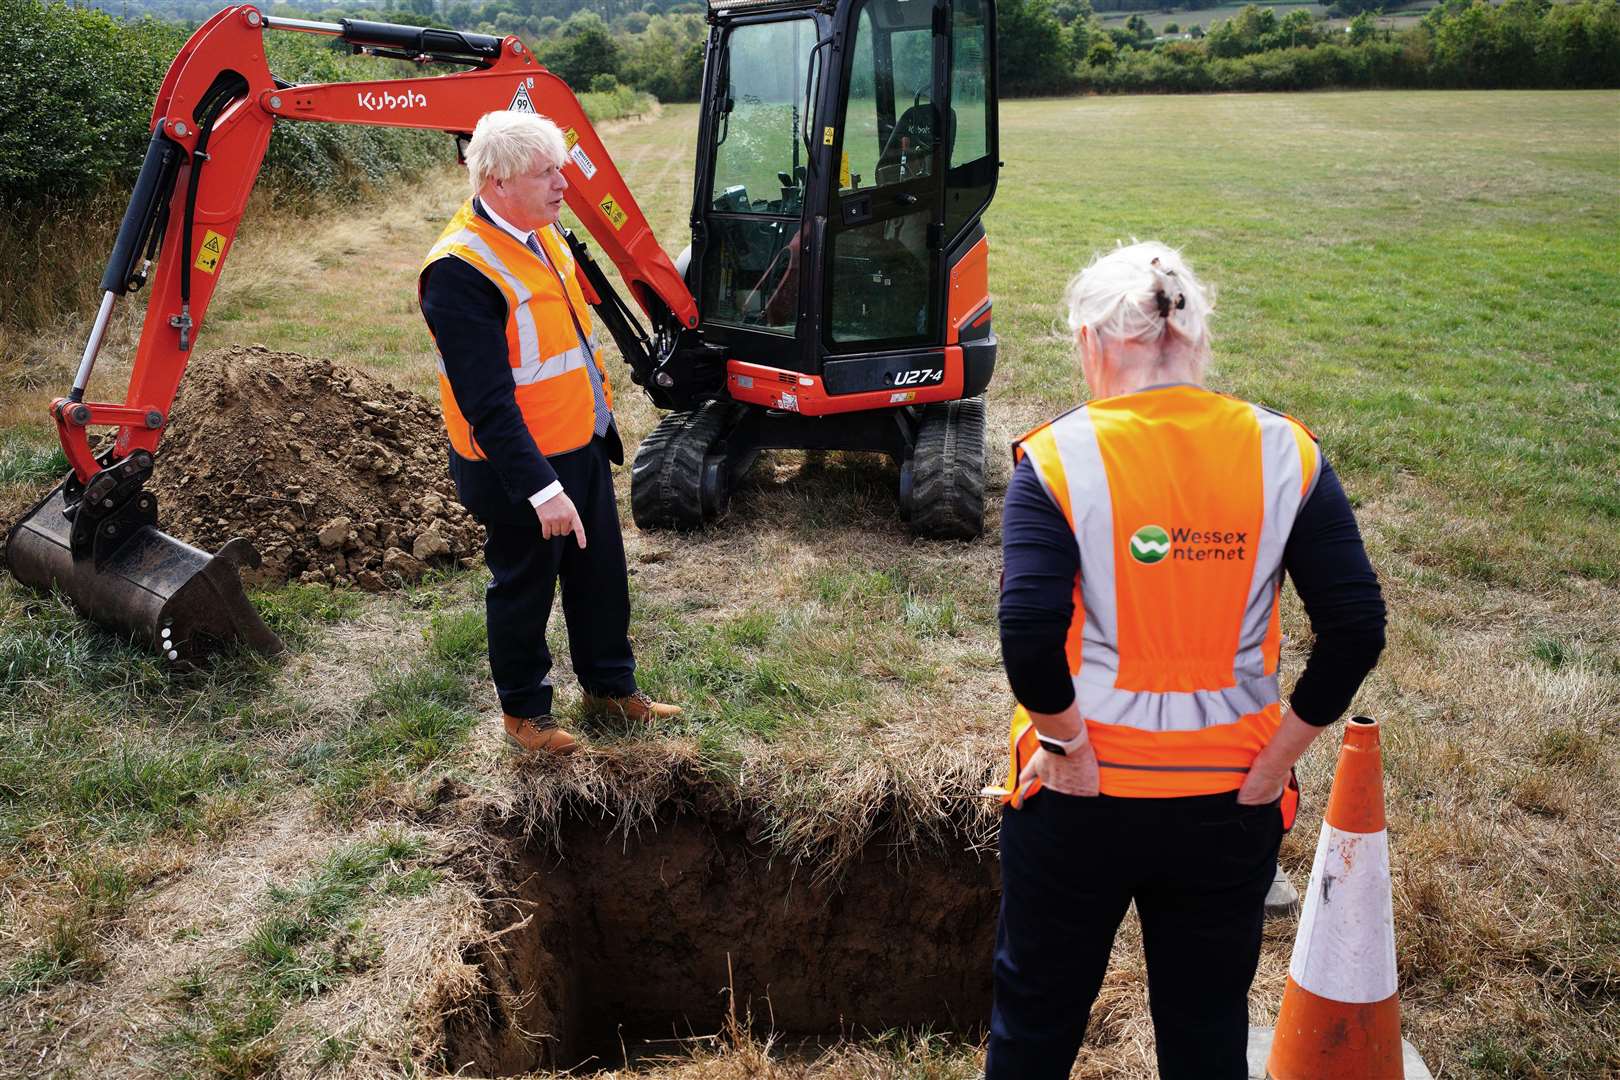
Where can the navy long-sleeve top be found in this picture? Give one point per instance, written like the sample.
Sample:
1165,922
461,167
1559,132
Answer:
1324,558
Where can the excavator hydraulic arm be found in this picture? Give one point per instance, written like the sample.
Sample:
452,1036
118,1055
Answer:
95,536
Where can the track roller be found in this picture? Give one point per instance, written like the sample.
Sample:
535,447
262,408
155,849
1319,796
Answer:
678,480
945,500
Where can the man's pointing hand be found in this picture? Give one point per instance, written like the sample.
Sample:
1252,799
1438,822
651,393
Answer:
559,518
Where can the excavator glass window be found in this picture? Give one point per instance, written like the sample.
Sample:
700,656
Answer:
750,274
889,203
971,178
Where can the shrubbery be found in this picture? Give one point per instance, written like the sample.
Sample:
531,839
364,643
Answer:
76,94
76,90
315,161
1058,46
1467,44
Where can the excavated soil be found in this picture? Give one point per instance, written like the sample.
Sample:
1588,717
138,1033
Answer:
334,476
621,946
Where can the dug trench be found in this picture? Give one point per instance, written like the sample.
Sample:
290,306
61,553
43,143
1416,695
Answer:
621,945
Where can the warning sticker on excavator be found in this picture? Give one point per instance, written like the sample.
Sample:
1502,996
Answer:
521,102
213,249
826,136
616,217
586,165
570,138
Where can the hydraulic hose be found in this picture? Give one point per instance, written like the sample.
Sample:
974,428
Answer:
227,87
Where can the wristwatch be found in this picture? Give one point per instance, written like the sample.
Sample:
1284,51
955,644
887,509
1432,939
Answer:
1061,749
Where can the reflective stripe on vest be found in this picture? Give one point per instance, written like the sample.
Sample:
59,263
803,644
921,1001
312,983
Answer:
545,350
1181,501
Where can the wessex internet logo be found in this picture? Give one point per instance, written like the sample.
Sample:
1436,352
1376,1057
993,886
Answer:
1149,544
1153,543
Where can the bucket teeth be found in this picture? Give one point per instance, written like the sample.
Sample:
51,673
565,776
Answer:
182,601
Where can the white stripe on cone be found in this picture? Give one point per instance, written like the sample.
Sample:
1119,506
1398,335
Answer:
1345,948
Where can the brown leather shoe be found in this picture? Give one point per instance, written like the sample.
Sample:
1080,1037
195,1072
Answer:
638,708
524,735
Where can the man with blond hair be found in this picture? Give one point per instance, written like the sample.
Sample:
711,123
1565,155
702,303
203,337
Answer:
529,413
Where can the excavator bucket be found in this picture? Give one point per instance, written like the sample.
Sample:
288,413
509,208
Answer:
132,577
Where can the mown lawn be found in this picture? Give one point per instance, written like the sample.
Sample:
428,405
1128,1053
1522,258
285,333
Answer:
1428,280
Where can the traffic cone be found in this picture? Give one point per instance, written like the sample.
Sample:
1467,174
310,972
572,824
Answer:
1341,1014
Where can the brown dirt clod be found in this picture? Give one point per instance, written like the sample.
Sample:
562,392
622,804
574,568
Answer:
334,476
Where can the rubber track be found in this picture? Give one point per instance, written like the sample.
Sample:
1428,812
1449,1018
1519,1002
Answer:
666,479
947,471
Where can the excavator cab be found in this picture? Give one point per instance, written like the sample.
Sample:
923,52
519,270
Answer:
846,155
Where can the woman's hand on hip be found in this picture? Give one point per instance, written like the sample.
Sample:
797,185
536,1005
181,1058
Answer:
1272,765
1071,774
1263,785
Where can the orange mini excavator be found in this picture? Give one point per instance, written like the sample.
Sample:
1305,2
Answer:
834,295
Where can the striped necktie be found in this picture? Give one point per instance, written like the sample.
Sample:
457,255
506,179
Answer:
604,415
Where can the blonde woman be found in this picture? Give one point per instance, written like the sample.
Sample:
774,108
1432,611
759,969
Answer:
1146,534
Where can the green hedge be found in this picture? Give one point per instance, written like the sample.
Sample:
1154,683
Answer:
76,94
76,90
308,162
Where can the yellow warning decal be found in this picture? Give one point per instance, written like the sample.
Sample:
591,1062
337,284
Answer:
616,217
826,136
570,138
213,249
843,171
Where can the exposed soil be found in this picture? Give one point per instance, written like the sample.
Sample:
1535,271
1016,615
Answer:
335,476
622,945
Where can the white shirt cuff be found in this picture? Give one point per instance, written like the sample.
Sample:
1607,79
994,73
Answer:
550,491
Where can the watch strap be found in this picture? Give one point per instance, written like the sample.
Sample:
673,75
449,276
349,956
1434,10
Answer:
1059,747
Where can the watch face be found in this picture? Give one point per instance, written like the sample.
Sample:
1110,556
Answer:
1052,747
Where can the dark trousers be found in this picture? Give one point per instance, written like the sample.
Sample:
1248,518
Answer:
524,570
1198,869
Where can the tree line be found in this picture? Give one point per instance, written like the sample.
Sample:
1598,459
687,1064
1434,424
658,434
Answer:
1467,44
76,85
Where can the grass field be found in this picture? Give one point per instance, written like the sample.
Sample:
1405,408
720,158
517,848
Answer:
262,870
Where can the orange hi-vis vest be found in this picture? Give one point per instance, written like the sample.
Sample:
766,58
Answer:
1181,501
548,333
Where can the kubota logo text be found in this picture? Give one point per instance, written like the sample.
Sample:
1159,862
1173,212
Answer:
378,100
1149,544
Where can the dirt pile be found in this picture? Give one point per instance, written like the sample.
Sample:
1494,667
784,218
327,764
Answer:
335,476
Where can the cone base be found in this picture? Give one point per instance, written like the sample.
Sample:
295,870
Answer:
1260,1049
1322,1039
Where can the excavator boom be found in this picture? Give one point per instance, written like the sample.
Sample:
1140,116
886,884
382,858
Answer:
96,536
